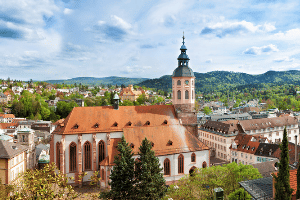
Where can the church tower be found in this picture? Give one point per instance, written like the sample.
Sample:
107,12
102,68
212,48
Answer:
183,88
183,83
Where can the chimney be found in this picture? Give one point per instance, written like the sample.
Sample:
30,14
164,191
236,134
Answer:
296,151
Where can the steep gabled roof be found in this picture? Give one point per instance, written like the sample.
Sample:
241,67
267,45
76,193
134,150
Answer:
9,149
167,139
83,119
244,144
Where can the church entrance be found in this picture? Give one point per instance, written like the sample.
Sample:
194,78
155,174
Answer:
192,170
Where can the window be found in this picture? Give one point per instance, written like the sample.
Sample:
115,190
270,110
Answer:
73,155
178,94
186,94
58,155
192,94
178,82
180,164
87,156
102,175
204,164
277,133
193,157
242,154
101,147
290,138
167,167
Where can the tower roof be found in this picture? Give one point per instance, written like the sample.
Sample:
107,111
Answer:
183,70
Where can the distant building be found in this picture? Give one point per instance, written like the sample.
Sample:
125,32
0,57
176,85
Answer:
129,93
226,117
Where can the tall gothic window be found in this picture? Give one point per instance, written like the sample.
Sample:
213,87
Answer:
101,150
103,175
193,157
167,167
58,155
178,82
180,164
87,156
204,164
186,94
73,155
178,94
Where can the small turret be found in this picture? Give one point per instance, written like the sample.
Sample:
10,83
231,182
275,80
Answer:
116,100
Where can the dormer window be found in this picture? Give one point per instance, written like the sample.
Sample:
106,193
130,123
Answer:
152,144
244,146
253,148
132,145
169,143
147,123
248,147
76,126
96,125
129,124
115,124
165,122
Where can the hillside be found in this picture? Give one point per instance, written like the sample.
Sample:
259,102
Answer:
224,80
113,80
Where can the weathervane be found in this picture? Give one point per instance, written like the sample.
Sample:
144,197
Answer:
183,38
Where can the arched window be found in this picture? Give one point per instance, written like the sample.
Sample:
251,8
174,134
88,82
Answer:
178,94
73,156
204,164
193,157
87,156
167,167
178,82
192,94
186,94
180,164
101,151
102,175
58,155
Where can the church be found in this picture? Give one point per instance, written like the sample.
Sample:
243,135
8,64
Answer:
86,141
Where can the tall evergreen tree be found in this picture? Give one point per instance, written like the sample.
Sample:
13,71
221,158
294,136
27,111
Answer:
282,180
150,182
122,175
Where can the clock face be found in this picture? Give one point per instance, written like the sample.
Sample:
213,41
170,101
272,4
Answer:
186,82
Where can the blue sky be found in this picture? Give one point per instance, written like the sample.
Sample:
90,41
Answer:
61,39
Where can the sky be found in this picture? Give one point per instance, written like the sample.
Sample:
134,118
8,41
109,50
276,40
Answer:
63,39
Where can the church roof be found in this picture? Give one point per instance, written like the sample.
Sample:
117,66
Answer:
167,139
107,119
183,71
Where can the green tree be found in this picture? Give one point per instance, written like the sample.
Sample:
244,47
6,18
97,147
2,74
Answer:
200,185
141,99
239,194
150,181
207,110
283,190
122,175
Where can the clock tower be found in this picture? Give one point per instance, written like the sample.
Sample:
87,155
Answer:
183,83
183,88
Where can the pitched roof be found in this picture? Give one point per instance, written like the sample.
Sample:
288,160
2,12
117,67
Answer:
266,168
7,115
107,119
8,125
244,144
227,127
9,149
161,136
293,180
253,124
267,150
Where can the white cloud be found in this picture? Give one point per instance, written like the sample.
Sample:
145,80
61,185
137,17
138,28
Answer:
68,11
259,50
117,21
288,35
285,59
222,29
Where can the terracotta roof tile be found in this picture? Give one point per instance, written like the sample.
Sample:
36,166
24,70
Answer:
8,125
245,144
181,139
7,115
293,180
106,116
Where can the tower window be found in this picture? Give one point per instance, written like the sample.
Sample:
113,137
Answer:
178,94
192,94
178,82
186,94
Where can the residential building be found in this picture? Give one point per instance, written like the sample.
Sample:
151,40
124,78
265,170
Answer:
219,136
129,93
12,161
6,118
3,98
227,116
26,138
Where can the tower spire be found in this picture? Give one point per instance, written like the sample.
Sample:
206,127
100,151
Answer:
183,38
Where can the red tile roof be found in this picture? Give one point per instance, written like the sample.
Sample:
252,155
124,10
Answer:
107,119
7,115
8,125
245,144
182,140
293,180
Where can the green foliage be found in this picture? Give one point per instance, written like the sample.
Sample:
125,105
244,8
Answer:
48,183
150,182
126,103
122,175
283,191
201,184
63,108
207,110
239,194
141,99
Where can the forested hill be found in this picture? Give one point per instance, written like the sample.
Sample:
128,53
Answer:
224,80
112,80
